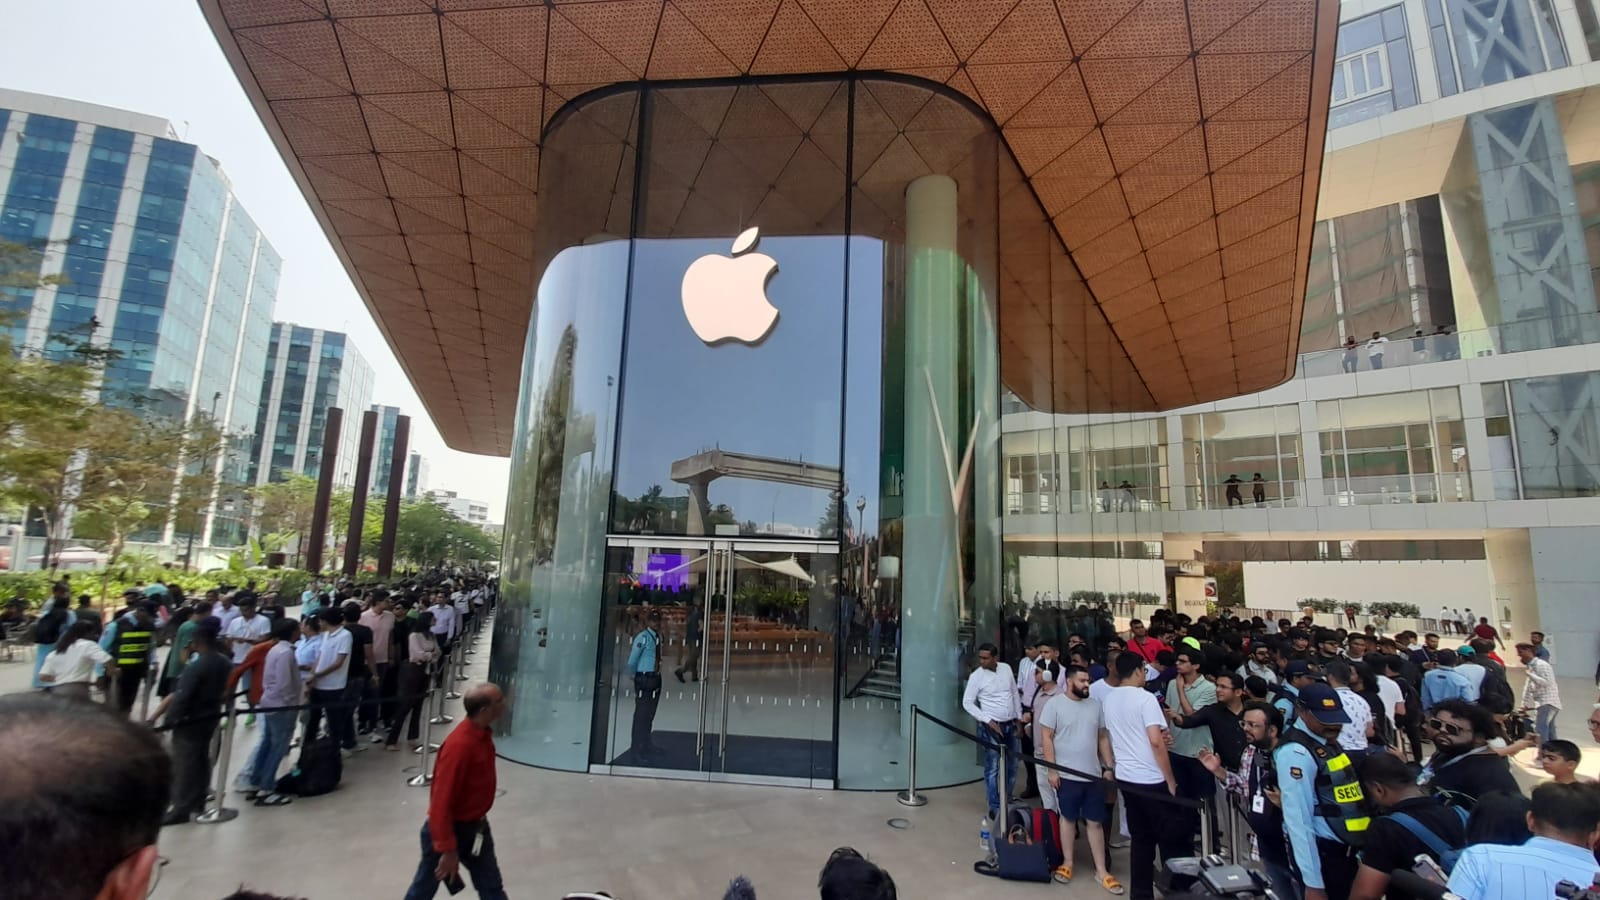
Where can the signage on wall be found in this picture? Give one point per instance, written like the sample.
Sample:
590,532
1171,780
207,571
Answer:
725,297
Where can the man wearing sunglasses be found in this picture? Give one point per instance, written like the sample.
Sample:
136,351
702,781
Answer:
1465,767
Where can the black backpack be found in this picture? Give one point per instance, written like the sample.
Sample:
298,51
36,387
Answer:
1495,693
318,771
49,627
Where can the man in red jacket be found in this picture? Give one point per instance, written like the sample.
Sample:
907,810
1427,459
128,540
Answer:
456,833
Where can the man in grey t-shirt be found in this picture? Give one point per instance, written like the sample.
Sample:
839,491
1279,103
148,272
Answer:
1072,734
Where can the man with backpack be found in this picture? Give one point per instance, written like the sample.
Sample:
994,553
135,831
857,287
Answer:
1412,823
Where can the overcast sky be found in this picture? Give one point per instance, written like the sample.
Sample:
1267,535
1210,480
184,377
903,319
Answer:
158,57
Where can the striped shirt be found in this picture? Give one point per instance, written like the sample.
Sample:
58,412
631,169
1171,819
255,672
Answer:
1528,872
1541,688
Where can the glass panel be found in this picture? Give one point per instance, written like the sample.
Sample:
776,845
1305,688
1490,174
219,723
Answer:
543,654
1375,79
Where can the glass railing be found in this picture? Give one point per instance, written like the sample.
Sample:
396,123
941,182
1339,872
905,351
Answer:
1403,350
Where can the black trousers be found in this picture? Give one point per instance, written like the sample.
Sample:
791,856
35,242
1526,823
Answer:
647,696
341,725
129,678
1152,826
1339,866
191,769
413,688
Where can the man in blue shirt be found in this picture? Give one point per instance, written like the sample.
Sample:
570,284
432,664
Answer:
644,662
1443,682
1318,828
1565,820
1296,675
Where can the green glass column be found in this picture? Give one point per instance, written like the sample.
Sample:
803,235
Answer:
930,571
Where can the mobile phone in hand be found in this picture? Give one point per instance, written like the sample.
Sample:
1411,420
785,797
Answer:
455,885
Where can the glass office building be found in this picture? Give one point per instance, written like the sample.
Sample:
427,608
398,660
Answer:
153,257
309,370
854,339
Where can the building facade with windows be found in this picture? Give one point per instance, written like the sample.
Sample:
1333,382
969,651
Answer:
383,448
474,511
309,370
853,319
1439,442
149,253
416,475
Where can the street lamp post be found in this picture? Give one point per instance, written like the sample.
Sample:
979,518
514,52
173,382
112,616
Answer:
861,528
205,460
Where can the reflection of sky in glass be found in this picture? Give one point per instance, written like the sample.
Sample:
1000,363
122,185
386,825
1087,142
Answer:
778,399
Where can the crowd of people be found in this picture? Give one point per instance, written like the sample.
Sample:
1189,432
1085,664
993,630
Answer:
353,663
1347,755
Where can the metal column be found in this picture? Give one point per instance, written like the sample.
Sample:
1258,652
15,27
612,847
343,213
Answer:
319,511
358,499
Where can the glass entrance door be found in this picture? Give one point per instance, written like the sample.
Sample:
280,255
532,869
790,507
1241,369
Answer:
740,636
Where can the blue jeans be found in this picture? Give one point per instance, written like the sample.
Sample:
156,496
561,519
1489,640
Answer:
991,761
1544,723
276,731
483,868
40,651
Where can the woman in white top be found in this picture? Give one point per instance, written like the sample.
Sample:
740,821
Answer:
69,668
421,651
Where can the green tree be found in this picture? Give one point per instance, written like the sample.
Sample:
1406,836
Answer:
124,476
283,513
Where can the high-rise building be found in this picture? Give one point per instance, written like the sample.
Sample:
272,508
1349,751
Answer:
383,448
308,371
416,475
155,258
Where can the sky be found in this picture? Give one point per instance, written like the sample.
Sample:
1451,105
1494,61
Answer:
158,57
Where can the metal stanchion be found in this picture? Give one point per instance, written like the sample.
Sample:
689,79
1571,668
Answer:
221,813
440,716
909,796
1208,844
149,685
461,659
1233,833
424,776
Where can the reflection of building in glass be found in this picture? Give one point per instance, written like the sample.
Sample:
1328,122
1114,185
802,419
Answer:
383,447
308,371
1019,302
151,255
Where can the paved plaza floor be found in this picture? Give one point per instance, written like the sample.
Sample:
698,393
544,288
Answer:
637,839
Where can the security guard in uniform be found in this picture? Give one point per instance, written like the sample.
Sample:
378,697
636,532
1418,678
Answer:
1324,812
131,648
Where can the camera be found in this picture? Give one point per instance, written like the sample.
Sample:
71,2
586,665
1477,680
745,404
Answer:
1518,726
1566,890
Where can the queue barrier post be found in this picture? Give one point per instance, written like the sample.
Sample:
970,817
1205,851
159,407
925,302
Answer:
149,685
1208,818
220,813
440,717
909,796
424,776
1233,833
461,658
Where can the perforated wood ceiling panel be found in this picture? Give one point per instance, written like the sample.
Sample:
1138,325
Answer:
1175,144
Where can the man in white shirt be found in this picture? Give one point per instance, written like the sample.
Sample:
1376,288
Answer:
444,621
1355,734
225,611
1071,733
1138,732
991,699
248,629
329,675
1375,350
1027,689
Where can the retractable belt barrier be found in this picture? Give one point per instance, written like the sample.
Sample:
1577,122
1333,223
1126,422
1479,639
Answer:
453,665
910,797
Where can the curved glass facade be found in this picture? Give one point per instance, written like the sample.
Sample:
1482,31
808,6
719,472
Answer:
796,507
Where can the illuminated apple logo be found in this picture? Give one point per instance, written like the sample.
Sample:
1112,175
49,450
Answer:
725,297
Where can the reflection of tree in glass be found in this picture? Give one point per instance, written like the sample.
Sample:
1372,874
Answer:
550,447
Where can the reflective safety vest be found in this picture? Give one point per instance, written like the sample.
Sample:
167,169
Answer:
133,644
1340,802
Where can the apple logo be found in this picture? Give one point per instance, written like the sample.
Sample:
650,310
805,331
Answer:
725,297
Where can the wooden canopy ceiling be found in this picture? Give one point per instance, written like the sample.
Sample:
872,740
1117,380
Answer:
1175,144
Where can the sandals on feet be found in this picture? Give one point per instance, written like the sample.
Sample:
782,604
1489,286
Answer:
1111,884
274,800
1062,874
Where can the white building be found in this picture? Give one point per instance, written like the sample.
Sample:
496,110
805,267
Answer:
308,371
474,511
1461,189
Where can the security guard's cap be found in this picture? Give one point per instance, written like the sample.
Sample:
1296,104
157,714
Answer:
1323,704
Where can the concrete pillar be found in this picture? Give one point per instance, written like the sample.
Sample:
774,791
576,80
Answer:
391,502
319,510
929,663
358,500
1566,580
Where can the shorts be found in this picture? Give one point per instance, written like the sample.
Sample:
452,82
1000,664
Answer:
1075,800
